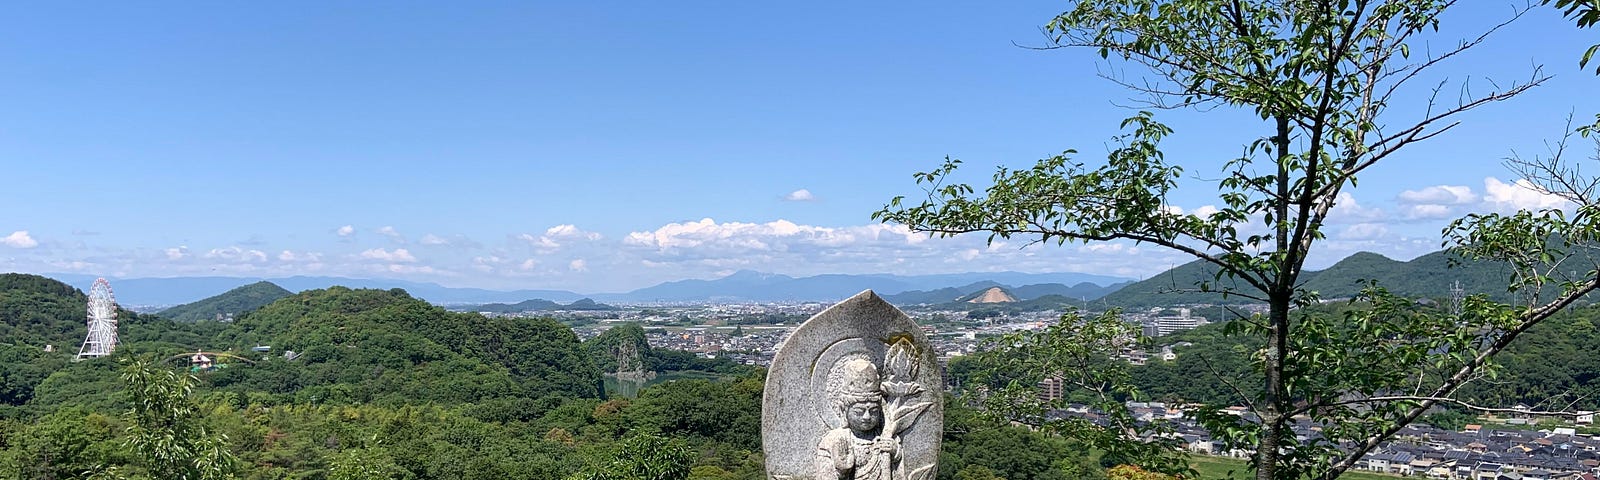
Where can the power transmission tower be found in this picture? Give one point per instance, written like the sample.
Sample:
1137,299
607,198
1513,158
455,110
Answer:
1456,296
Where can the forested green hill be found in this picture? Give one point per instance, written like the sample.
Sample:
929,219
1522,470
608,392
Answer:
1550,366
358,346
387,386
1553,364
536,305
1427,276
38,311
232,302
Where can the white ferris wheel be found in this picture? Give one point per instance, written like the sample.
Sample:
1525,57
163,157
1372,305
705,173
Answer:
102,338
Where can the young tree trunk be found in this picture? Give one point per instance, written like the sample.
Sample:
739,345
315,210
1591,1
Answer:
1275,403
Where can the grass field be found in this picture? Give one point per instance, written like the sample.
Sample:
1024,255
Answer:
1216,468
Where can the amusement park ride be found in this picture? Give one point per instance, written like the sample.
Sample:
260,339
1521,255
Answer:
102,337
203,361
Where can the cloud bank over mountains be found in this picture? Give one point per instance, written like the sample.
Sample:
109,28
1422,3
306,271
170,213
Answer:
574,256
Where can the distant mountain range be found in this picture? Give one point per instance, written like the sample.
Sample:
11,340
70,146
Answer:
536,305
1083,291
1427,276
744,285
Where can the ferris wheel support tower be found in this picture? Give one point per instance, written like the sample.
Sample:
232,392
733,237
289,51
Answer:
102,338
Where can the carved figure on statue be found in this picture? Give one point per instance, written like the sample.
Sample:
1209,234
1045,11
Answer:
858,450
853,394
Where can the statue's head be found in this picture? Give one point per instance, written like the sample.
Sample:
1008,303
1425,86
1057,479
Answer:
853,386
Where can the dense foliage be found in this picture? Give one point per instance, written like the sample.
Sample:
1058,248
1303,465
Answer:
360,346
231,302
1552,368
625,348
38,311
1321,77
386,386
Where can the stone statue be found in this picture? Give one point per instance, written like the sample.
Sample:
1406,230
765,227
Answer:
853,394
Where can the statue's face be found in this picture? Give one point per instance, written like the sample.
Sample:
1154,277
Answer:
863,417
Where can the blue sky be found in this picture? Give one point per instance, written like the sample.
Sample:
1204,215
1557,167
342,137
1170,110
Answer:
604,146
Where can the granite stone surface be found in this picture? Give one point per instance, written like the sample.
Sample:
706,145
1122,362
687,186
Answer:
855,393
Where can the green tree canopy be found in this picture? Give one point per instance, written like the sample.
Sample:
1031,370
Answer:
1324,77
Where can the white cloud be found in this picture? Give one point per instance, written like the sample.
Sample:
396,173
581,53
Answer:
1104,248
1203,211
1347,210
1435,202
346,231
1519,195
776,235
570,231
397,255
1364,231
292,256
1439,195
1429,211
673,251
454,241
389,231
19,239
695,249
801,195
236,254
530,239
555,237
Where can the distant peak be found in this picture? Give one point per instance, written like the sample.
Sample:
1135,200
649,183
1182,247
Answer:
992,295
1367,256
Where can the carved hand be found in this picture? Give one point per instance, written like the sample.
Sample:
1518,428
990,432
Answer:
887,445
